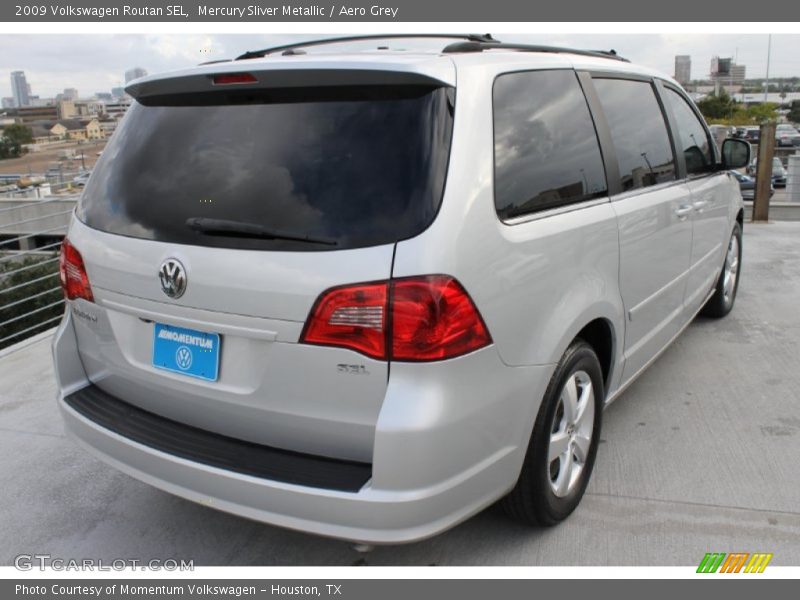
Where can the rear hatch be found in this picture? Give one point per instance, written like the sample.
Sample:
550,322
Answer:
218,214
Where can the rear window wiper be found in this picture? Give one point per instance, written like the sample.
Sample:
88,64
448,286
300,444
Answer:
228,228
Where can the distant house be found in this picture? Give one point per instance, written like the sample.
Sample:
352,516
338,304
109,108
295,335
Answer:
93,130
42,133
72,129
108,125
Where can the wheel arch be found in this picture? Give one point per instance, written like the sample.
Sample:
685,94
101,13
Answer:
599,334
601,327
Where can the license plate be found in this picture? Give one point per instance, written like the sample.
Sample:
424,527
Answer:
186,351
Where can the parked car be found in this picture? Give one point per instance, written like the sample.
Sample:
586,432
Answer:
747,185
787,135
368,296
749,134
778,171
81,178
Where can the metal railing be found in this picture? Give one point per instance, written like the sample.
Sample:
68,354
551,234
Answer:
31,229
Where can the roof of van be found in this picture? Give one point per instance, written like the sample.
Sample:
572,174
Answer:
433,64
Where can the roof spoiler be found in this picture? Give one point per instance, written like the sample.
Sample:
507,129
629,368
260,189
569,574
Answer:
277,78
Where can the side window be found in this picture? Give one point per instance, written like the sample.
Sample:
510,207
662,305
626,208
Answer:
638,131
546,152
692,136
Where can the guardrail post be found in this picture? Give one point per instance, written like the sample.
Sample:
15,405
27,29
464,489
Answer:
766,150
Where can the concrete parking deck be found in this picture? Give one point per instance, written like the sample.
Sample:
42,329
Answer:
701,454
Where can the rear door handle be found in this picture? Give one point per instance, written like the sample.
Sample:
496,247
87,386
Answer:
683,210
700,205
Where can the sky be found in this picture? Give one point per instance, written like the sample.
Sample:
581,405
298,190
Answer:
96,63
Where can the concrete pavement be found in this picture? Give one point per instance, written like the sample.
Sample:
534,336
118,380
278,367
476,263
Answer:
701,454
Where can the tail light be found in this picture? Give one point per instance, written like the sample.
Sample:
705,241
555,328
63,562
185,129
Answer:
234,79
411,319
351,317
74,279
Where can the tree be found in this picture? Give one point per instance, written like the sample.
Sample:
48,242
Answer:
716,106
760,113
14,136
17,133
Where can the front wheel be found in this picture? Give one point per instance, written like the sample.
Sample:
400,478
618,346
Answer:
721,303
563,444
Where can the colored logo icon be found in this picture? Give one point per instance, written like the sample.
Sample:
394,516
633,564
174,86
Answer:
736,562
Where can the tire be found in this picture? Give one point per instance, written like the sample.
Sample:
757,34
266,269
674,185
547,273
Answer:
721,303
545,494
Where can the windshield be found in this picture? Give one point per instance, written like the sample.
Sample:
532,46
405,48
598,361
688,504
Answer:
358,165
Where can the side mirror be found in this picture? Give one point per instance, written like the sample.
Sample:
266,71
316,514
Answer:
735,154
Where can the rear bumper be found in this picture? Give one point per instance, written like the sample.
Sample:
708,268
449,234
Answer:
449,441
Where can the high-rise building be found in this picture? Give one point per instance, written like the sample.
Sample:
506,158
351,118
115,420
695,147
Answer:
725,72
737,74
67,109
20,89
70,94
134,73
683,69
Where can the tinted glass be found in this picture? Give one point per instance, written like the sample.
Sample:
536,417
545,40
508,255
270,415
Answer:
638,131
692,138
545,147
361,167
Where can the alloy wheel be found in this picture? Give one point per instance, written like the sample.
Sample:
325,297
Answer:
571,433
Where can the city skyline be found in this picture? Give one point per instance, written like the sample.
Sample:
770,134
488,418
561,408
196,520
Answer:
99,62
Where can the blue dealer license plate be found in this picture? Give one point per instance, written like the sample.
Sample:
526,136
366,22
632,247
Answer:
186,351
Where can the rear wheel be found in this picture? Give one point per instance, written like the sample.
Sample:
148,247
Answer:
564,441
721,303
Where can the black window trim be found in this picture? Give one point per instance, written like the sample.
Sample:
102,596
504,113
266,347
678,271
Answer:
607,151
662,86
568,205
607,145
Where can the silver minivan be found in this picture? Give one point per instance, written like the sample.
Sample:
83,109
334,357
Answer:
366,294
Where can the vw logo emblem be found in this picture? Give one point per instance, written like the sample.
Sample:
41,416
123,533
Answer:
173,278
183,358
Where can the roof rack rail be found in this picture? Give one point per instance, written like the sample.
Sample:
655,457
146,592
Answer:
468,37
480,46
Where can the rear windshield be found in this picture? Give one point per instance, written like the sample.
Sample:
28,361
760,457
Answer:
355,167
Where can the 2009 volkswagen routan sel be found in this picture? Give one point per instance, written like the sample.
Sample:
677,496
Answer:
367,294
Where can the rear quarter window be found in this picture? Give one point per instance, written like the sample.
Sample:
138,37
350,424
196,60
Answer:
638,131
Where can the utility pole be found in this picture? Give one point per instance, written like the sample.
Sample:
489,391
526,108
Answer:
769,50
766,150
